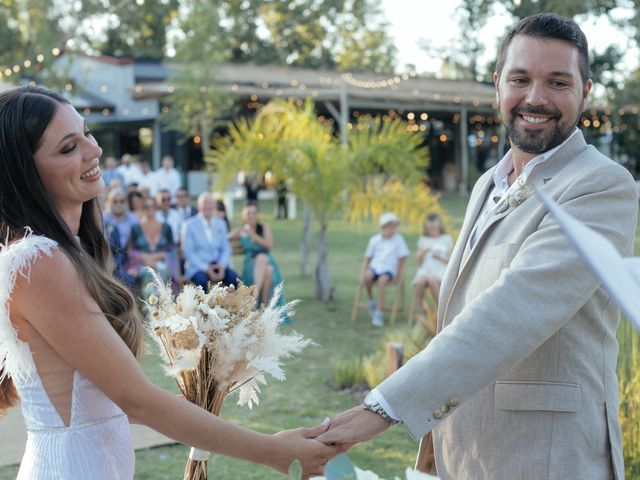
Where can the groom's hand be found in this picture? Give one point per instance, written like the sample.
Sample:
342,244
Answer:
353,426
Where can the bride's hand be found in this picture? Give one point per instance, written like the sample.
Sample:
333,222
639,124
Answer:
299,445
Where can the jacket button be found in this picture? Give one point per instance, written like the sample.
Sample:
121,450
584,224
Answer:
445,408
454,402
437,414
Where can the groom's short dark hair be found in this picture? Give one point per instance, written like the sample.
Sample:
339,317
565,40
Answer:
548,26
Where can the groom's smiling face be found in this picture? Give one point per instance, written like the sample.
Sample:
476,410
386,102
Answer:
540,92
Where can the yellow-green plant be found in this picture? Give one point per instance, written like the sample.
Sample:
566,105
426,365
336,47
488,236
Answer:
388,165
374,368
630,423
386,148
347,373
629,375
412,203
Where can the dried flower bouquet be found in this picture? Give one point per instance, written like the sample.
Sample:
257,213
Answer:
218,342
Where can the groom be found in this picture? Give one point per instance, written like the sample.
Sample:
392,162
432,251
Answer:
520,382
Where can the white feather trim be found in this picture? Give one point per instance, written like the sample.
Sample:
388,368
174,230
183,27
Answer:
16,259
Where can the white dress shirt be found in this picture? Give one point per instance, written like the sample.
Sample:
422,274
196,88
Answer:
167,180
501,185
171,218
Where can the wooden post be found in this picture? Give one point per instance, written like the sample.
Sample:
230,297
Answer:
394,357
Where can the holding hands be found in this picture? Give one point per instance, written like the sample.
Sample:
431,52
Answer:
301,444
353,426
315,447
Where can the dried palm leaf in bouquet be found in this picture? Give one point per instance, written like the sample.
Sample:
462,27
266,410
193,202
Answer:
218,342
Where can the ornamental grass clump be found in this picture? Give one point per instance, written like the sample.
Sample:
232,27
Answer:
219,342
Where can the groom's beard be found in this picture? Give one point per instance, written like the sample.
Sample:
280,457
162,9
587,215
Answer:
539,140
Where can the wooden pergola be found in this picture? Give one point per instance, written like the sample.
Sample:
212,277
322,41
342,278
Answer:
343,93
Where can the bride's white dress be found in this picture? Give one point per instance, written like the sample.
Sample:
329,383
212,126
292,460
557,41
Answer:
97,443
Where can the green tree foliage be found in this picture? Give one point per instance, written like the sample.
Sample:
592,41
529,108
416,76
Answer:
29,28
626,121
195,103
604,67
385,148
461,57
474,15
364,44
568,8
134,28
240,20
343,34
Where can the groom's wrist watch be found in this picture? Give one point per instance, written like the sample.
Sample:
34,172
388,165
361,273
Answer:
375,407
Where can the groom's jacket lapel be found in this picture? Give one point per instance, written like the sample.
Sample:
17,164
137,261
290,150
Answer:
463,254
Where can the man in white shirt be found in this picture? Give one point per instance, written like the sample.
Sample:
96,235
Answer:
168,215
129,170
183,204
167,177
147,179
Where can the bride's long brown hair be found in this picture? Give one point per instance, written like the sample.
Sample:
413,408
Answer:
25,114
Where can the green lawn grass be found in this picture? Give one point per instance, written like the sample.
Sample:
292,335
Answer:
306,397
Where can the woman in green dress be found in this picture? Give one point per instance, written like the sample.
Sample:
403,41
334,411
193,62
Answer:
260,268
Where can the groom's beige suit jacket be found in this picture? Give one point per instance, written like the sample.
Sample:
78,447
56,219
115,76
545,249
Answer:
520,381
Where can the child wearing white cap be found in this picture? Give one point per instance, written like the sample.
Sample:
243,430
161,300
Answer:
384,260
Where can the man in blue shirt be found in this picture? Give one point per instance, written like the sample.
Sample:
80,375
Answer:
206,248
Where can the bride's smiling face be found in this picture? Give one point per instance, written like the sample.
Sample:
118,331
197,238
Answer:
67,160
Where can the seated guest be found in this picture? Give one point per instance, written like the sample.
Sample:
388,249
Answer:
168,215
384,261
206,248
135,200
434,250
110,174
260,268
183,205
118,215
221,211
151,245
120,256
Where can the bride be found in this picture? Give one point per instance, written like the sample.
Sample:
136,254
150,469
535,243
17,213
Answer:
69,333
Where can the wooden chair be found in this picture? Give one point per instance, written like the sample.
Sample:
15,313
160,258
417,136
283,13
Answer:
426,460
429,307
236,247
398,304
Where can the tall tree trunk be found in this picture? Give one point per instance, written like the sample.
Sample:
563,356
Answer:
306,240
322,266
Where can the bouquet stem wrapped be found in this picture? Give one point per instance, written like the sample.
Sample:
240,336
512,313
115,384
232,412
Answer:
218,342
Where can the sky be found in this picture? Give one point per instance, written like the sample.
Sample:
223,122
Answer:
433,21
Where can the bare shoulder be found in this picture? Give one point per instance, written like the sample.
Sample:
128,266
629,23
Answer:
49,278
50,270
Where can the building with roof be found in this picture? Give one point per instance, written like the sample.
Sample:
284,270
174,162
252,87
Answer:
122,99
